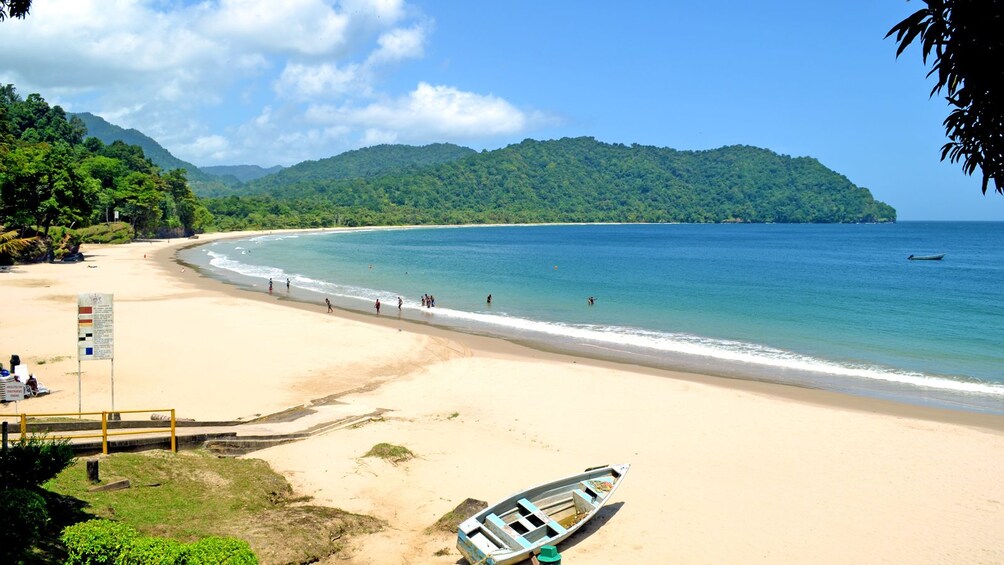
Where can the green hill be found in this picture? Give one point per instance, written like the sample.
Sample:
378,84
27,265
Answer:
360,163
566,180
107,132
241,173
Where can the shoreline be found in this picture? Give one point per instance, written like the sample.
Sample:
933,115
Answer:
527,348
738,471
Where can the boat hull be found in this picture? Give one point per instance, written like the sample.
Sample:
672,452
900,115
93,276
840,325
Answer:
513,529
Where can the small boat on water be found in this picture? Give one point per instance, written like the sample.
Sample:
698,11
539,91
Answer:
926,257
516,528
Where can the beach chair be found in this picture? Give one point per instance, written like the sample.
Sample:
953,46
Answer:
23,375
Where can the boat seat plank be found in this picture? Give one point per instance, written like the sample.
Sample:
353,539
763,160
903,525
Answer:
530,507
583,502
496,526
595,493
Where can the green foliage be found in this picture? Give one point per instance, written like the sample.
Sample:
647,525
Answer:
24,515
96,542
14,9
216,550
390,452
963,35
108,133
33,460
152,551
568,180
51,175
115,232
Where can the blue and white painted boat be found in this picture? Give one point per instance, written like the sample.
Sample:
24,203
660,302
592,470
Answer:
514,529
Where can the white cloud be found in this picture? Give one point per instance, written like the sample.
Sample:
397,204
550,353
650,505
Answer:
400,44
246,81
430,111
300,81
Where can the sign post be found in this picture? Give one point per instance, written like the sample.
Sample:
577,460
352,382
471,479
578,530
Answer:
94,336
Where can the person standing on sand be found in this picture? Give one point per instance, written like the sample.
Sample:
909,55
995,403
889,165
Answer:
328,302
378,306
270,286
287,285
400,302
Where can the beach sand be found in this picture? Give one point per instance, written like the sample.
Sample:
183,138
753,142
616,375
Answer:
723,471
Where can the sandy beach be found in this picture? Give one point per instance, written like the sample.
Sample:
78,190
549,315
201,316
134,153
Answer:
723,471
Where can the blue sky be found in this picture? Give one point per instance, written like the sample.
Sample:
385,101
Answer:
265,82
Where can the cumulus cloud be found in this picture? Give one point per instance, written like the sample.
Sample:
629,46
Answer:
437,110
301,81
247,81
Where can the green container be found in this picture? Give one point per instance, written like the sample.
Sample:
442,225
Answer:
549,554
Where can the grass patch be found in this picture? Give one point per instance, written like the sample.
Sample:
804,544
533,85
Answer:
448,522
115,232
390,452
55,359
191,495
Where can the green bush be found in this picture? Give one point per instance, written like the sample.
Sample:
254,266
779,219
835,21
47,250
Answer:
220,551
24,516
115,232
31,461
96,542
152,551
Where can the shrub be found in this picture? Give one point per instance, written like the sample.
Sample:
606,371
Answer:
390,452
96,542
152,551
31,461
220,551
24,515
115,232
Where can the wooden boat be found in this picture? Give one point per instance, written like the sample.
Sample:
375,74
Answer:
926,257
514,529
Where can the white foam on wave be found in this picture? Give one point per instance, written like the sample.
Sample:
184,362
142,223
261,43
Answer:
718,349
625,338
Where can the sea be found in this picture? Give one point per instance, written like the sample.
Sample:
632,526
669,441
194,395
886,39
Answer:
831,306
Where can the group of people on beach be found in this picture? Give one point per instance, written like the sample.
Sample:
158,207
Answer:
428,301
270,285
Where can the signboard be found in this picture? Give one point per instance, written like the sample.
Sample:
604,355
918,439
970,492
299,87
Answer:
12,390
94,327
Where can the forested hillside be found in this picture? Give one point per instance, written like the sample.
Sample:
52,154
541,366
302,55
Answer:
51,175
567,180
241,173
109,133
398,160
53,172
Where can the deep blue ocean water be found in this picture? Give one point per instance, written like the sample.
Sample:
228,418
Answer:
832,306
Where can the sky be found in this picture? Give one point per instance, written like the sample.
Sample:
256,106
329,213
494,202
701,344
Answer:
264,82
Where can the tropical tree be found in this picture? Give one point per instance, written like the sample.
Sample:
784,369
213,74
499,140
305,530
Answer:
14,9
965,38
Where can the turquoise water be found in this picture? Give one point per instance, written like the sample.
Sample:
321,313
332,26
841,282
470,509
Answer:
831,306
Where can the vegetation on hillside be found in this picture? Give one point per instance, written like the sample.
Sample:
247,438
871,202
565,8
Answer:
51,175
54,172
567,180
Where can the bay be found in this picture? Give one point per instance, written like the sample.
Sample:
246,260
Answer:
831,306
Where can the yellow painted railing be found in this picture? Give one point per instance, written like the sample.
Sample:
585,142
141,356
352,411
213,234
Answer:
105,434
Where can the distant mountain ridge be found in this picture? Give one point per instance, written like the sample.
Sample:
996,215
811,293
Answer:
242,173
367,162
565,180
107,132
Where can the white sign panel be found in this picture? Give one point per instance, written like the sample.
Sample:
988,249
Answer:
94,326
13,391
